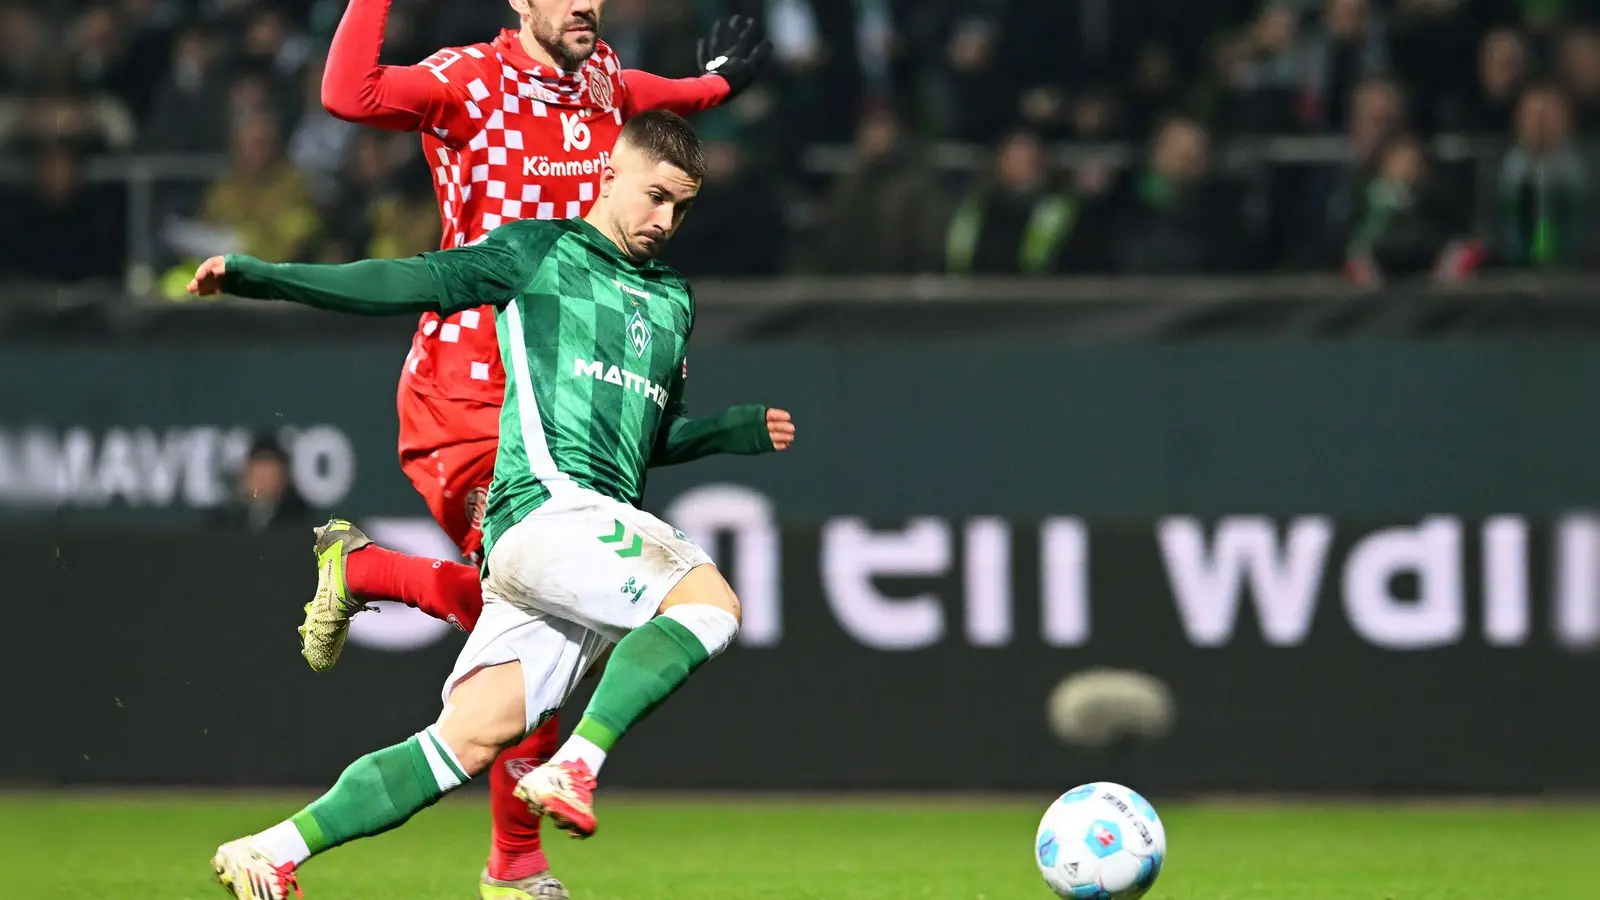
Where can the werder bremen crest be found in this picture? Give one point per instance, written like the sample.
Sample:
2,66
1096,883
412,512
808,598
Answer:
638,334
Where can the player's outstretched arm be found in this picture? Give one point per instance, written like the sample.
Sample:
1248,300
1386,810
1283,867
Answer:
399,98
745,430
491,272
731,57
371,287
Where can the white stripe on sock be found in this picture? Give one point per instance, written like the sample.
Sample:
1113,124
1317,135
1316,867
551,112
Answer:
714,626
283,843
447,771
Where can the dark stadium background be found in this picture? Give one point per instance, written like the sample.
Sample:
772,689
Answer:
1252,351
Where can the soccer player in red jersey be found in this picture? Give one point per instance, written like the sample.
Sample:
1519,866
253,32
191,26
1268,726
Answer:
519,127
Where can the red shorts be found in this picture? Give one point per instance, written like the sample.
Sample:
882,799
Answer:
447,449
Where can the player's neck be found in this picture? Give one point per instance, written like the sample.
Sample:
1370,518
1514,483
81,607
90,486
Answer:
605,225
536,50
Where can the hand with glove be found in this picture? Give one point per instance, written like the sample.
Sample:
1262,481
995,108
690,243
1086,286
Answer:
734,51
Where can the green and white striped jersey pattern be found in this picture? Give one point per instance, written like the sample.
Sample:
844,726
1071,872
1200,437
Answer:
593,346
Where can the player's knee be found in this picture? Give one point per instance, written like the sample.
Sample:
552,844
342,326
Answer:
477,755
715,626
704,586
486,713
711,612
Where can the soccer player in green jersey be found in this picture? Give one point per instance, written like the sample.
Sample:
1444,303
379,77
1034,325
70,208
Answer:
593,337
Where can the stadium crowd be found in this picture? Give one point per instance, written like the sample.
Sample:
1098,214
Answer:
1176,83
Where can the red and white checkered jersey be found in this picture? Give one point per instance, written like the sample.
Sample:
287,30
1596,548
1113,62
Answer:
520,141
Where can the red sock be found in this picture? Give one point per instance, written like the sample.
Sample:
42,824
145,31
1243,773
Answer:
442,589
514,850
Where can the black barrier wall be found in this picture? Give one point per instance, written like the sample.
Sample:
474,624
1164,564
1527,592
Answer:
1430,655
1367,429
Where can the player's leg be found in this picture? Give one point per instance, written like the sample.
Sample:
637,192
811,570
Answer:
517,861
514,670
352,570
448,451
696,619
382,790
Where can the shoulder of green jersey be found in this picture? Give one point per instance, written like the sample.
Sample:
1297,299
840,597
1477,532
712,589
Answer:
530,229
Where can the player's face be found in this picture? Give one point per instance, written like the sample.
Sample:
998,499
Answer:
566,29
647,201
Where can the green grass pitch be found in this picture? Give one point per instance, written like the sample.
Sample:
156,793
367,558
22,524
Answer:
156,846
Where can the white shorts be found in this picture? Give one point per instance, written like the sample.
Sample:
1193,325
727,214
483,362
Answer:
591,560
572,578
555,654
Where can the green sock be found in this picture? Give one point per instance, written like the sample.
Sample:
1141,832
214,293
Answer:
649,664
380,791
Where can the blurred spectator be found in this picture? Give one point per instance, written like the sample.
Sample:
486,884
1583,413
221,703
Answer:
1405,222
1347,46
181,76
96,48
738,223
1015,222
1172,216
113,57
1543,21
147,28
262,203
1541,205
93,125
264,496
1254,83
190,101
818,72
1154,90
60,229
404,221
23,49
385,204
319,144
1502,70
254,93
656,37
977,104
1263,72
269,46
1049,64
1093,117
1334,195
1579,65
365,176
889,214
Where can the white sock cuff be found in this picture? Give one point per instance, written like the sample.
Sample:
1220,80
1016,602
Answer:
714,626
578,748
447,770
283,843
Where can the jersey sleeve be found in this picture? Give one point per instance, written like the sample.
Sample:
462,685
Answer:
371,287
680,439
439,94
493,271
684,96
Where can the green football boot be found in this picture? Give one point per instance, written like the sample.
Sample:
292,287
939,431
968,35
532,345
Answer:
543,886
328,614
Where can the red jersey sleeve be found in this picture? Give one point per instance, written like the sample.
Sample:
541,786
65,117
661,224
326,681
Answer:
684,96
439,94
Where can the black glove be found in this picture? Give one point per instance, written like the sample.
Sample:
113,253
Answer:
734,51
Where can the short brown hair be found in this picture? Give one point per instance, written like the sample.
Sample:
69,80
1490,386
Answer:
666,137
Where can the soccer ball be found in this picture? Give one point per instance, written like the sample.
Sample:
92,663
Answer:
1100,841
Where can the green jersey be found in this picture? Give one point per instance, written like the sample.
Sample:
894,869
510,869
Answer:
593,345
